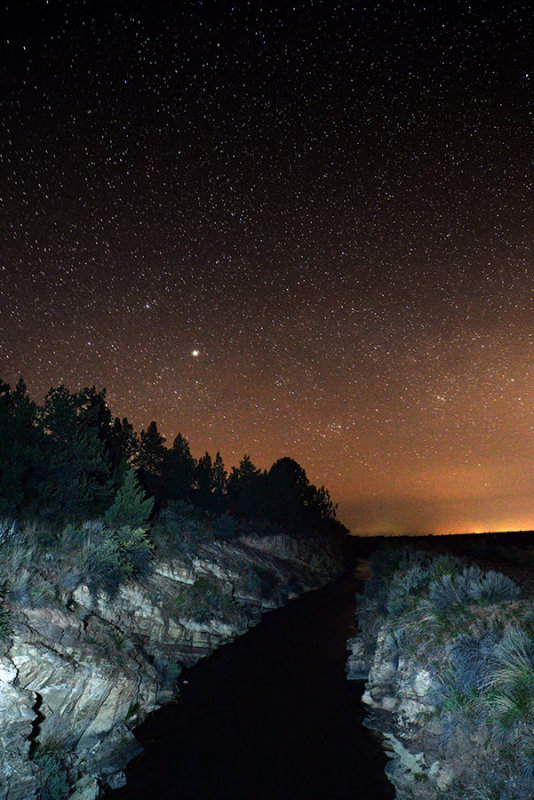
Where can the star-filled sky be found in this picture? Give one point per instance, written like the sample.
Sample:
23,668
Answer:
299,229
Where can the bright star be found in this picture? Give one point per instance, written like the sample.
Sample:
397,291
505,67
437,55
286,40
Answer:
195,353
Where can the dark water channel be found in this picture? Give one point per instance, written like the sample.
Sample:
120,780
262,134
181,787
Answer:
268,716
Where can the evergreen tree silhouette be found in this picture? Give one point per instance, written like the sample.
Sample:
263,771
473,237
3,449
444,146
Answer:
150,459
131,507
178,471
288,490
124,442
293,499
18,441
204,483
73,474
220,481
246,490
123,448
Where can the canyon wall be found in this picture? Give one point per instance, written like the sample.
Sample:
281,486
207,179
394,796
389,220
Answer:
79,670
447,652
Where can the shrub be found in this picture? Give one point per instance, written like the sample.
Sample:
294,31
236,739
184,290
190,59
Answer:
491,789
471,585
104,568
41,592
261,581
404,589
526,766
384,561
178,532
5,623
454,590
179,510
494,588
171,542
444,565
370,616
447,592
135,551
510,684
485,688
499,784
116,556
201,601
55,785
471,660
206,600
515,646
72,537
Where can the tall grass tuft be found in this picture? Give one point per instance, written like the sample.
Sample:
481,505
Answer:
472,660
405,588
5,623
494,587
448,591
510,685
471,586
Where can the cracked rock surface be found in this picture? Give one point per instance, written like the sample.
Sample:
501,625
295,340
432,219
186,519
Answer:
77,676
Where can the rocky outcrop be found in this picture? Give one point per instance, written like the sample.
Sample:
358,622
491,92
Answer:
398,695
77,676
447,653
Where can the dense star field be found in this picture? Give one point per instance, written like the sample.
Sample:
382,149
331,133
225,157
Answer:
304,230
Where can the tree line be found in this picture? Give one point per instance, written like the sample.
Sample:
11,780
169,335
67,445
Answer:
68,458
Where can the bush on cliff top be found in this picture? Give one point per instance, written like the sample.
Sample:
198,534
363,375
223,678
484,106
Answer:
436,611
472,585
115,556
510,682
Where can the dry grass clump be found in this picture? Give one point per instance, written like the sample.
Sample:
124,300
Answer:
472,627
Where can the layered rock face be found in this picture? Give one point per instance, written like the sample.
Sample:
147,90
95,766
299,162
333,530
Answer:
447,652
397,694
77,676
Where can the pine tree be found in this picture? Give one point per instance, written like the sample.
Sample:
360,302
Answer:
289,490
204,482
152,450
220,481
18,439
124,444
294,500
93,411
178,471
72,477
131,507
246,490
150,459
124,549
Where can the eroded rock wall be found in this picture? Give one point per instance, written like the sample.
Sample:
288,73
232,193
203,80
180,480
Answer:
77,677
447,653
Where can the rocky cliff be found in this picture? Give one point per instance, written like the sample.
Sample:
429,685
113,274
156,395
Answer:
80,669
447,651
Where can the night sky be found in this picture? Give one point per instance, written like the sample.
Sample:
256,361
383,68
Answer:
303,230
